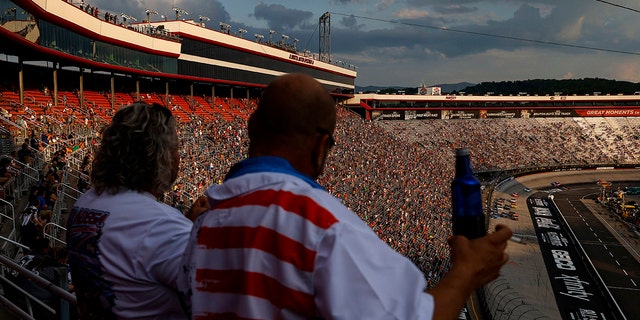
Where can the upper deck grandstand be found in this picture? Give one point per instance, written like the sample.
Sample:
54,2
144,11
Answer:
394,174
451,106
88,40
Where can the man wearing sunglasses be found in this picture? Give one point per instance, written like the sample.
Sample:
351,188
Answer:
275,245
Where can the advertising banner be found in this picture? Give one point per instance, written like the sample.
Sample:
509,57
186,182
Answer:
437,113
406,114
460,114
608,113
422,114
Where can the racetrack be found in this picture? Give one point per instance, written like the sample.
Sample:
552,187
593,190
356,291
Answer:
526,273
613,259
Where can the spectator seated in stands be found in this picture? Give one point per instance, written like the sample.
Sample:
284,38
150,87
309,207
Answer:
6,178
24,154
5,113
44,217
41,197
5,174
35,144
30,228
52,179
83,181
33,196
58,161
33,223
41,262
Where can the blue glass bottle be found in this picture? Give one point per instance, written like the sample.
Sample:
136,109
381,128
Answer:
466,199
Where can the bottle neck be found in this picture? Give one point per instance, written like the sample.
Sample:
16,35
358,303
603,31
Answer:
463,166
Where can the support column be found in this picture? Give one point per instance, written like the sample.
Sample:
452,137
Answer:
248,94
137,89
166,94
231,92
213,96
191,94
55,84
113,91
21,80
81,91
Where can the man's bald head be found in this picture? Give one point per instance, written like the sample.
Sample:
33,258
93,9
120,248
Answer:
292,108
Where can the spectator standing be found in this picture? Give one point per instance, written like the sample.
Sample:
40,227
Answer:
275,245
124,245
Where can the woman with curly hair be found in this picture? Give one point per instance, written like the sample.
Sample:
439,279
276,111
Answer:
124,245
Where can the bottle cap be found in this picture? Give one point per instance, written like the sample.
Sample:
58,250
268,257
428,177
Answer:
462,151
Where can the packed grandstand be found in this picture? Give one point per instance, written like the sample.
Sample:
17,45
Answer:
394,174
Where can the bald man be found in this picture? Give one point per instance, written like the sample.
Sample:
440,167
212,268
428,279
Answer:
275,245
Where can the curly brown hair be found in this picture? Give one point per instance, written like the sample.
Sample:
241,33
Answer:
139,151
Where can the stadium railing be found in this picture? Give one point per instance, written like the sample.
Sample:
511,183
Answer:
8,214
51,231
22,303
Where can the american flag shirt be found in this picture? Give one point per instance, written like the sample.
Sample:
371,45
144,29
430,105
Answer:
276,245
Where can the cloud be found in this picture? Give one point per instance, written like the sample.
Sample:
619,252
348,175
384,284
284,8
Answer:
347,1
279,17
490,65
411,14
565,23
351,22
572,31
455,9
476,57
626,70
384,4
424,3
421,51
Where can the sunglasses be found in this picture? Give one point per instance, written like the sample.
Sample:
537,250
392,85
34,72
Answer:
331,141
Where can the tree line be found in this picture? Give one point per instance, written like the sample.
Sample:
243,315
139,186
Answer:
586,86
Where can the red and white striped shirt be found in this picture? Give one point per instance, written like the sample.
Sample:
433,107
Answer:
275,245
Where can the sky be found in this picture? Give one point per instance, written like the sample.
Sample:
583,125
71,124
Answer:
409,43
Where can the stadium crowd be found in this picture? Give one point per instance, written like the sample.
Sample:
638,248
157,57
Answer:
394,174
398,179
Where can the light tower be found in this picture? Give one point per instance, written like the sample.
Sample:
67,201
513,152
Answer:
271,33
126,17
203,19
180,12
224,27
325,37
149,12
